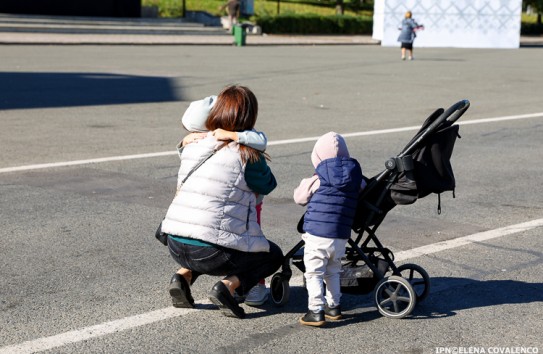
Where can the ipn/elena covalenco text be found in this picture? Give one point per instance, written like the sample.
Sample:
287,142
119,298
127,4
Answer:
487,350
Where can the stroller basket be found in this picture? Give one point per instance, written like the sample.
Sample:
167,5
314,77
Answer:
421,168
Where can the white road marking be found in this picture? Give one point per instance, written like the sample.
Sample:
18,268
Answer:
102,329
466,240
270,143
85,162
122,324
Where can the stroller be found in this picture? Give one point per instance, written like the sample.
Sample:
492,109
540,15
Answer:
423,167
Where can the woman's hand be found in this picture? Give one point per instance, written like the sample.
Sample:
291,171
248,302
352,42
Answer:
192,137
225,135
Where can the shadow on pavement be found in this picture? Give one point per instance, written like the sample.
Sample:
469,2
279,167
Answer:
22,90
463,294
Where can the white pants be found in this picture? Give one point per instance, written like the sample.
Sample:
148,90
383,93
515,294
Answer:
322,259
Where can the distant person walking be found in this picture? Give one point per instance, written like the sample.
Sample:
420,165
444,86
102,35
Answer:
232,9
408,29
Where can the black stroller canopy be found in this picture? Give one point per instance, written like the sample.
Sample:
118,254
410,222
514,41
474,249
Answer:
431,168
423,167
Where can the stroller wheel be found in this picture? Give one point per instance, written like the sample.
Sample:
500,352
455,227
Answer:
395,297
279,289
417,277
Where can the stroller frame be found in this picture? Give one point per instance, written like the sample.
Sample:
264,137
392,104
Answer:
395,295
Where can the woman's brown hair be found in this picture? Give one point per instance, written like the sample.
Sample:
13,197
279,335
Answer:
236,110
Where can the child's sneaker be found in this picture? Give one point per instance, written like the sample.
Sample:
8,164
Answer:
315,319
257,296
333,313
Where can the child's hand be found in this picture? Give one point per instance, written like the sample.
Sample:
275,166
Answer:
192,137
224,135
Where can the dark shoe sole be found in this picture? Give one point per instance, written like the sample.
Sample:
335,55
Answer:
225,302
312,323
180,293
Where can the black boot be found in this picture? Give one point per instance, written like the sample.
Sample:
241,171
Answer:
333,313
315,319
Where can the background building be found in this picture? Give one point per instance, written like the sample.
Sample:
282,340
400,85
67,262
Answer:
452,23
99,8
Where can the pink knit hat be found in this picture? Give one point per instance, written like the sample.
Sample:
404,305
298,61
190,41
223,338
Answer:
328,146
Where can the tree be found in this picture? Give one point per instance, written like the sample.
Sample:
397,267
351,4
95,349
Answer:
536,5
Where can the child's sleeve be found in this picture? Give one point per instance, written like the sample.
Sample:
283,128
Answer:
306,189
252,138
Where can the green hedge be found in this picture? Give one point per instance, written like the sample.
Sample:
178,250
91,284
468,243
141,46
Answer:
531,29
315,24
336,24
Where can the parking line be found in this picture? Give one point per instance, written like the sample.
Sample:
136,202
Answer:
122,324
270,143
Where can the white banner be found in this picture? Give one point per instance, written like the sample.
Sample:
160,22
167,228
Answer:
451,23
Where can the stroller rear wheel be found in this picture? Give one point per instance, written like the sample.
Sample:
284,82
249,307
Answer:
395,297
417,277
279,289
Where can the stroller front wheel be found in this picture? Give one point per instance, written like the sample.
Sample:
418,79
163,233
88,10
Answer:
395,297
279,289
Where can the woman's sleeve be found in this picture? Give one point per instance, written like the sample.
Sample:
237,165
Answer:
259,177
252,138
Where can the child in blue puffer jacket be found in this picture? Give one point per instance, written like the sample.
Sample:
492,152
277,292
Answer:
331,196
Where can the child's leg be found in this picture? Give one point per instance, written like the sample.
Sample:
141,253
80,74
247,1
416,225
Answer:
332,274
258,212
315,261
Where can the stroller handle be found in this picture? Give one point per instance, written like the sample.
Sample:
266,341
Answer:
445,119
458,109
451,115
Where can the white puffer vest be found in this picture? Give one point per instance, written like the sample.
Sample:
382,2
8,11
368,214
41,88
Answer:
215,204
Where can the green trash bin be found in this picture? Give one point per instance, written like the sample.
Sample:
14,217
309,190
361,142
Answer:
239,35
